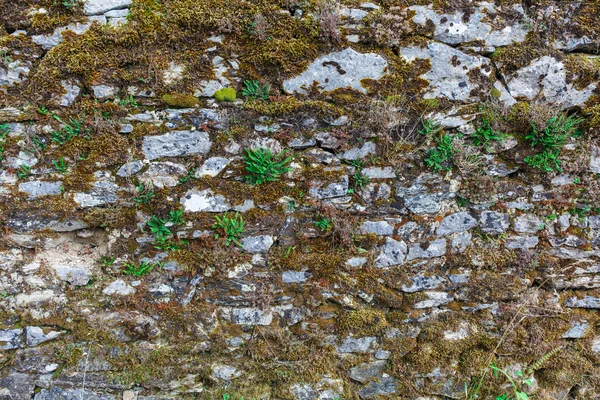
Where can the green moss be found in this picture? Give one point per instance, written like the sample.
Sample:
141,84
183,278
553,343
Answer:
495,93
226,94
179,100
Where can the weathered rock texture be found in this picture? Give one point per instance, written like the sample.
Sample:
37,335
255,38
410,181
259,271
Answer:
391,258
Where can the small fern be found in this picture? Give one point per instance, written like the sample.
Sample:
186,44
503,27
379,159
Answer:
539,363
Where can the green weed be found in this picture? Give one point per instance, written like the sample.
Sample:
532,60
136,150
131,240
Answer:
439,158
254,90
24,171
60,165
324,224
138,270
263,166
232,228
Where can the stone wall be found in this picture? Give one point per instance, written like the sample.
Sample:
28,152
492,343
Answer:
436,209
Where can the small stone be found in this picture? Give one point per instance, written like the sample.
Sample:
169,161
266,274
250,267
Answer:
212,167
458,222
393,252
34,335
383,387
494,222
130,168
97,7
577,330
37,189
225,372
11,338
587,302
103,192
118,287
176,144
528,223
422,282
521,242
251,316
364,372
436,299
322,190
379,173
380,228
436,248
258,244
294,276
204,201
357,345
104,91
369,148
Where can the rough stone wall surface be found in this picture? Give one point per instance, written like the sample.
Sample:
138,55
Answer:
209,199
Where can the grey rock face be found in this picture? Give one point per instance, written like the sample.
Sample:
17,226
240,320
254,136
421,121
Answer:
73,274
435,299
17,386
384,386
34,335
163,174
204,201
380,228
521,242
40,188
357,153
528,223
294,276
450,68
118,287
97,7
212,167
14,73
379,173
454,28
547,76
577,330
494,222
586,302
131,168
71,93
337,70
56,393
357,345
422,282
176,144
364,372
436,248
258,244
595,160
104,91
425,195
322,190
225,372
251,316
103,192
393,252
459,222
11,339
49,41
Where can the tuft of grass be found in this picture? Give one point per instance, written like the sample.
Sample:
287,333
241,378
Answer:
551,138
138,270
263,166
324,224
24,171
60,165
256,91
232,228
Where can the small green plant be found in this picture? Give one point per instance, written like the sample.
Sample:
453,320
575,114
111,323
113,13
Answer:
176,217
43,110
107,261
226,94
429,128
128,101
67,3
60,165
158,228
254,90
144,196
68,131
190,175
552,137
263,166
24,171
360,180
40,144
547,161
137,270
485,134
439,158
5,58
519,395
324,224
233,228
4,130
